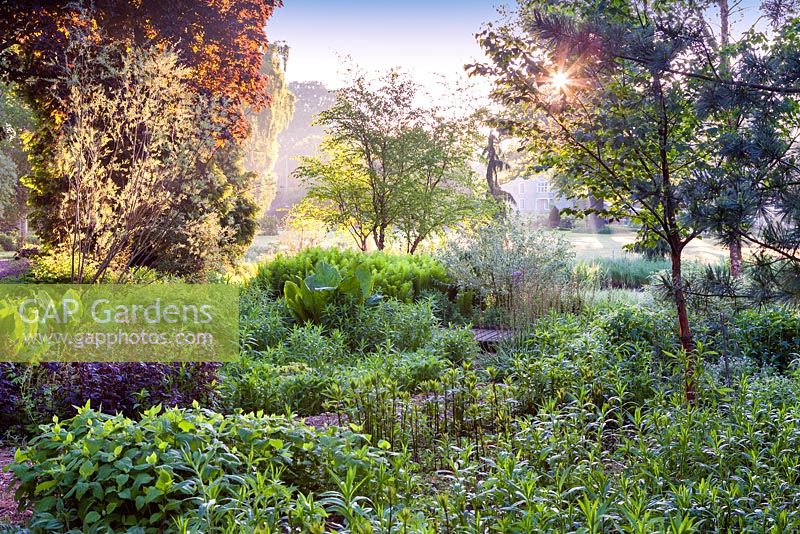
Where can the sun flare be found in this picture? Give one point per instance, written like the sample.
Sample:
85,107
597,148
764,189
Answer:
559,80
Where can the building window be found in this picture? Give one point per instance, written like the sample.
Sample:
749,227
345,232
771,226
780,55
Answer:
542,186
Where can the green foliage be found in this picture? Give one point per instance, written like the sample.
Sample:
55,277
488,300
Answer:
400,277
517,271
269,225
261,149
310,297
403,326
56,268
392,169
180,202
255,383
456,345
624,273
97,472
576,424
645,328
263,322
8,242
769,337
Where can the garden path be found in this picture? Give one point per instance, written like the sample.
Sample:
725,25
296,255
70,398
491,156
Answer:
9,514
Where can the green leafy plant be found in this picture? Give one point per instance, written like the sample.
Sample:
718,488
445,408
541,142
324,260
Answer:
309,298
396,276
196,468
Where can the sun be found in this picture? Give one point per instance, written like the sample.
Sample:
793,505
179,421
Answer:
560,80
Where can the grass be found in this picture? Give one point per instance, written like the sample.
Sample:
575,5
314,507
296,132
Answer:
6,255
587,246
593,246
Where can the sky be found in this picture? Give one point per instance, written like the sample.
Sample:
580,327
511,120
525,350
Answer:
424,38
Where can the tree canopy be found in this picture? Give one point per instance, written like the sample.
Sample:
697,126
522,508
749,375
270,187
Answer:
628,103
391,169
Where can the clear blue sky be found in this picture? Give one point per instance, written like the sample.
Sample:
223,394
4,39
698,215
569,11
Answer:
422,37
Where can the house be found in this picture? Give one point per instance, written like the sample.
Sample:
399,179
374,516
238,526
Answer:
535,194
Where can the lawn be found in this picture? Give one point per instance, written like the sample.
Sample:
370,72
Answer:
590,246
587,246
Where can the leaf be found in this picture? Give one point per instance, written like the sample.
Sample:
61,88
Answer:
164,482
44,486
86,469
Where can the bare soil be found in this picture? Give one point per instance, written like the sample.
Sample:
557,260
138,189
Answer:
9,513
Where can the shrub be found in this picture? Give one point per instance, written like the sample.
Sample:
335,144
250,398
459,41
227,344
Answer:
456,345
258,384
48,389
269,224
28,251
56,268
645,328
404,326
769,336
192,468
519,269
401,277
8,242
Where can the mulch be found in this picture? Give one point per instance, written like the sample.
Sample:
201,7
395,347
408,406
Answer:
8,484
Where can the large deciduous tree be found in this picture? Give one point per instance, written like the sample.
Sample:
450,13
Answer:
261,149
16,120
221,43
391,168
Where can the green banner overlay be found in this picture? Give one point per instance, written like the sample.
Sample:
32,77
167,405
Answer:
119,323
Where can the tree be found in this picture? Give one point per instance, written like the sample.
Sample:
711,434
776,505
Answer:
261,149
391,168
339,195
124,156
617,130
16,121
220,43
640,109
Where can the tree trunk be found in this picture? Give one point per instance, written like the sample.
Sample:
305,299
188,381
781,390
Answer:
596,222
735,250
684,332
22,224
379,238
